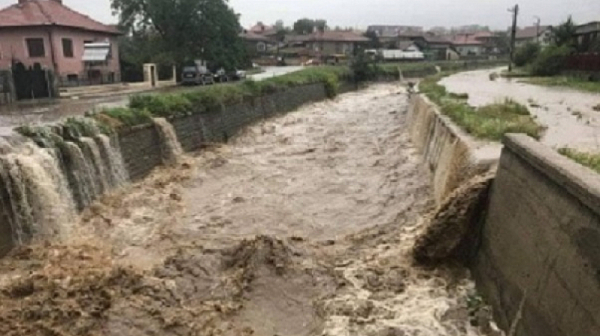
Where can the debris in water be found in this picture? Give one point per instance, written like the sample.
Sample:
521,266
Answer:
452,230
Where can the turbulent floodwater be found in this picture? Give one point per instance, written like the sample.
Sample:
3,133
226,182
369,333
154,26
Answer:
302,225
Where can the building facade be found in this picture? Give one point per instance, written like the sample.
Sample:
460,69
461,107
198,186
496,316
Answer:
76,48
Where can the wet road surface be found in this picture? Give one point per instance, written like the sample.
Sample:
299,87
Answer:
567,113
52,110
301,225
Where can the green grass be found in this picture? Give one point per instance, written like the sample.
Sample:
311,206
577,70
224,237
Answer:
489,122
143,108
589,160
201,100
565,81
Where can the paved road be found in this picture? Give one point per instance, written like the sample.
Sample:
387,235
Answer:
42,112
275,71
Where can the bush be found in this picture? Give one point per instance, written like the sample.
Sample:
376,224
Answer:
363,69
126,116
551,61
526,54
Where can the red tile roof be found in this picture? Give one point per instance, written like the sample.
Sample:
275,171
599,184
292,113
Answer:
49,12
250,36
466,39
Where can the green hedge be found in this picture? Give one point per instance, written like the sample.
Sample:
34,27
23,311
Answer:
144,107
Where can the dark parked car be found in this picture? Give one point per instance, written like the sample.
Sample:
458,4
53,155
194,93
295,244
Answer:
237,75
194,75
221,75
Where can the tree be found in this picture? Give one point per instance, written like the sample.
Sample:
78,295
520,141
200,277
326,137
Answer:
374,42
501,41
526,54
304,26
187,29
321,25
307,26
279,25
564,35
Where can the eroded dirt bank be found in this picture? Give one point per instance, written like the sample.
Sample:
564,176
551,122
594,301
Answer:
302,225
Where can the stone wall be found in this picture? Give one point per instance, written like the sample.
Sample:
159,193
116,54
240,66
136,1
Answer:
541,242
140,146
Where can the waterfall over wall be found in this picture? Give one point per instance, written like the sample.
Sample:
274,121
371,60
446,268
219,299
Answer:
46,179
170,146
36,198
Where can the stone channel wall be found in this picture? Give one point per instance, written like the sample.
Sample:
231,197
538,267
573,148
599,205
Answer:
541,242
140,146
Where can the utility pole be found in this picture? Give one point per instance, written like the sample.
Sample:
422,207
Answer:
538,21
513,35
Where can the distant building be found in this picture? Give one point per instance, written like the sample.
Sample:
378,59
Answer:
438,47
264,30
534,34
392,31
468,45
255,44
588,37
334,42
76,47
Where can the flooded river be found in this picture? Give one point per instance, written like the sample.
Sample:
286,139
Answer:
302,225
568,114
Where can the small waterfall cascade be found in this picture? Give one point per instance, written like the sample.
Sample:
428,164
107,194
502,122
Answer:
51,173
170,147
36,198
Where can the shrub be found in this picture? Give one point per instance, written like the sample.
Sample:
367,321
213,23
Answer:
526,54
127,116
363,68
551,61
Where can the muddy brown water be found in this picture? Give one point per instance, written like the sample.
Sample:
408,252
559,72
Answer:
302,225
569,114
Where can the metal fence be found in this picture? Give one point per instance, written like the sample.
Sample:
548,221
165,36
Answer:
584,62
88,79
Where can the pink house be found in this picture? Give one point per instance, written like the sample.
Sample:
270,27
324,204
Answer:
77,48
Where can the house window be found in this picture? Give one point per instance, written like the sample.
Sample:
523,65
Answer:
35,47
67,45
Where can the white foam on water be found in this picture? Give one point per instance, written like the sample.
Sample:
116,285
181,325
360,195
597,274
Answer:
97,161
113,160
40,199
170,146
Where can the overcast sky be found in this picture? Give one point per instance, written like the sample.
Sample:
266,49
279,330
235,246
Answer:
361,13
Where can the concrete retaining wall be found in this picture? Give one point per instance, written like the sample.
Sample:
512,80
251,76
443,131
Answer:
140,146
541,242
450,155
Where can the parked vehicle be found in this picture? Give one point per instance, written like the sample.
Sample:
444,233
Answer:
221,75
237,75
195,75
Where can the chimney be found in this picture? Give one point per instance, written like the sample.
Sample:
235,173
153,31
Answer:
59,1
22,2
